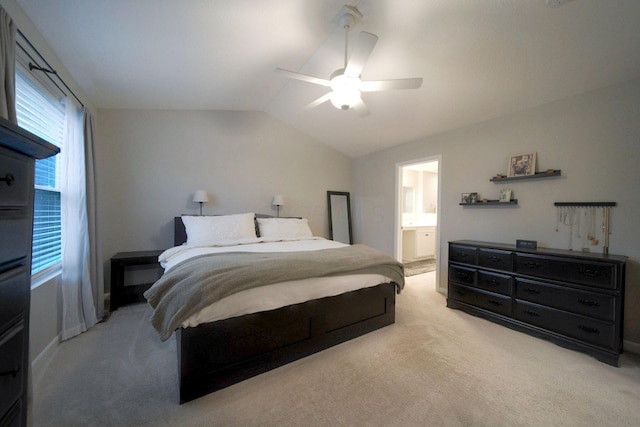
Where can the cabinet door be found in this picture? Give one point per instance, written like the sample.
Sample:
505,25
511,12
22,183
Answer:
425,242
409,244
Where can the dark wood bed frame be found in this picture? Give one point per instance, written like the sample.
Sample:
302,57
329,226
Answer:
216,355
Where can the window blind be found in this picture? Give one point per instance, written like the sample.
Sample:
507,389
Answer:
43,114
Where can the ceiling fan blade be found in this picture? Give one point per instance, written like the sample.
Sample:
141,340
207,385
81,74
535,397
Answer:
361,108
360,54
303,77
379,85
323,98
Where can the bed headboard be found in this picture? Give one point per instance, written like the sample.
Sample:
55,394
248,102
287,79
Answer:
180,233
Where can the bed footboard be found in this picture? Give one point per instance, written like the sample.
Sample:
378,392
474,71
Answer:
216,355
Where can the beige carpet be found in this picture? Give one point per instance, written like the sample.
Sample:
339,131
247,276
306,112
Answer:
434,367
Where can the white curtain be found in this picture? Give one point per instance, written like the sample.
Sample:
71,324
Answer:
78,308
7,67
95,254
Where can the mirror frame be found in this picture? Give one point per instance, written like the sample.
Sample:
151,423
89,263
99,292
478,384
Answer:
331,218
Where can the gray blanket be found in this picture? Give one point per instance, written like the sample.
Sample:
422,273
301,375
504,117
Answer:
198,282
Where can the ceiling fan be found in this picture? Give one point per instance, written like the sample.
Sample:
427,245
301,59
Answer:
345,83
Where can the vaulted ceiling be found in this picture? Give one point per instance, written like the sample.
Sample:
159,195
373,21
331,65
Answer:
479,59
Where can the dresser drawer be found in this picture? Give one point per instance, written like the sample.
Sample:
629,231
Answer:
15,229
14,294
17,170
11,368
591,273
581,302
487,300
494,282
464,254
463,275
13,417
493,258
583,328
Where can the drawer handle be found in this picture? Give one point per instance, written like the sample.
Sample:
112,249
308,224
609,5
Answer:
492,282
9,179
589,329
589,302
12,373
462,254
462,275
494,259
494,302
531,313
531,290
459,292
591,273
532,264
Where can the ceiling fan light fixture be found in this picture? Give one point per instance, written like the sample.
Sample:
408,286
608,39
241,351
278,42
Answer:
346,91
345,98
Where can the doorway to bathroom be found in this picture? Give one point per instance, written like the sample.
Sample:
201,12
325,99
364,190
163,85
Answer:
417,221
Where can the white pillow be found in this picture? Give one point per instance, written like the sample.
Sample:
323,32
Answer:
207,230
284,228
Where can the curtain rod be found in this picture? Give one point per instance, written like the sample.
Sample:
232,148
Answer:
49,70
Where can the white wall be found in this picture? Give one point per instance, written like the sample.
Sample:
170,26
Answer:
150,162
45,323
593,138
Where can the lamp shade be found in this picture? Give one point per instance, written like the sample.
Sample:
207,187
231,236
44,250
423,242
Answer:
278,200
200,196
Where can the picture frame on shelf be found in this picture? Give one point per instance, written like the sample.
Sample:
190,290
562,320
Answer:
469,198
522,165
505,195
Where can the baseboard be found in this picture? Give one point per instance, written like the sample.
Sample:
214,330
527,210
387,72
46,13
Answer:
41,362
631,347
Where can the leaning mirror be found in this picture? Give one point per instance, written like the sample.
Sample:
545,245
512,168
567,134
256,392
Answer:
339,216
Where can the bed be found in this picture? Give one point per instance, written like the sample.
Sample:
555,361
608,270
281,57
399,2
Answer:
246,332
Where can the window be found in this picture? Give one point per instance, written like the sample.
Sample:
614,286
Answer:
43,114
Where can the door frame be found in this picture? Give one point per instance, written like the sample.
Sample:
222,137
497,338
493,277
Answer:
397,246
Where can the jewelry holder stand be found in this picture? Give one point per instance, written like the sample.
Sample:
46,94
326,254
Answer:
606,217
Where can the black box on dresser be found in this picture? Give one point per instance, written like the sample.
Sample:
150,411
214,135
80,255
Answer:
574,299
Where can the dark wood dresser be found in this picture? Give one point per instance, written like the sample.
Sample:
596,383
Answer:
574,299
18,151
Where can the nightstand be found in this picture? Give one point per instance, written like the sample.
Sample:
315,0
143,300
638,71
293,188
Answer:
121,294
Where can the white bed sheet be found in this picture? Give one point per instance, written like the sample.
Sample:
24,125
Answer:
269,297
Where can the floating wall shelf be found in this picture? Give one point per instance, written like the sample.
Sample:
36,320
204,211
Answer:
548,174
492,203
